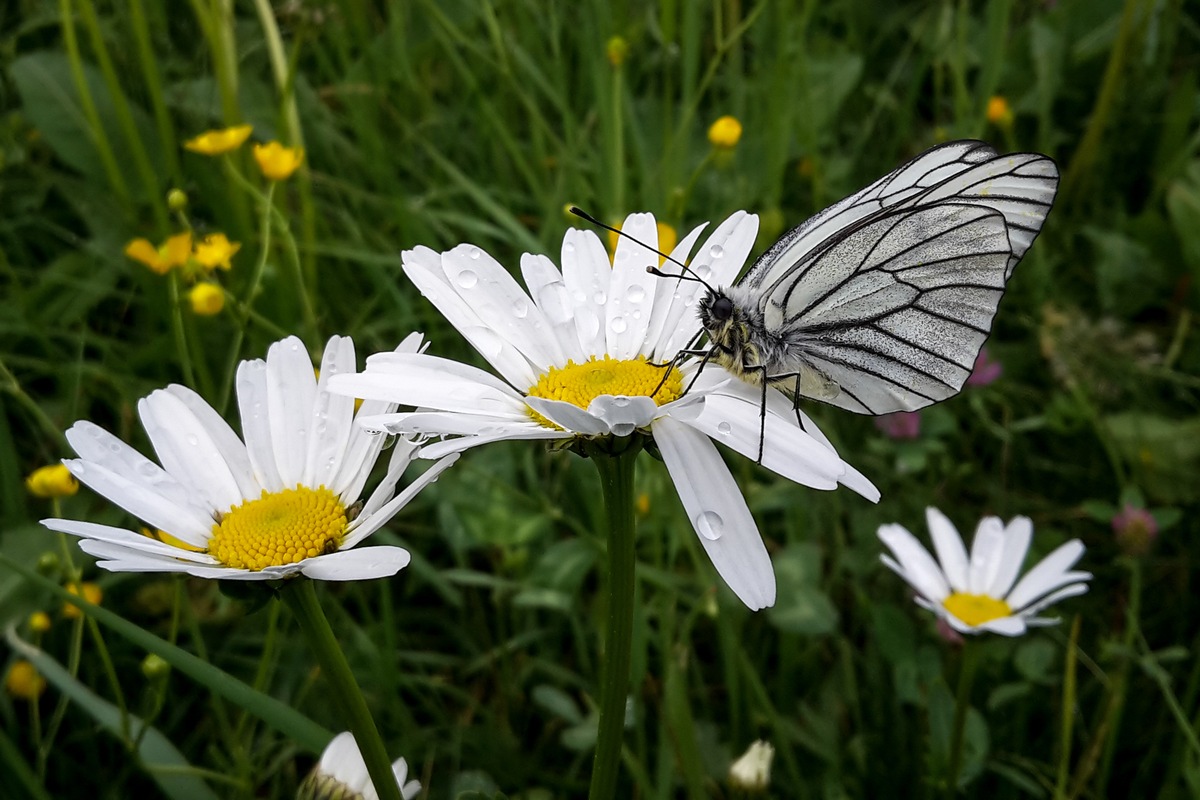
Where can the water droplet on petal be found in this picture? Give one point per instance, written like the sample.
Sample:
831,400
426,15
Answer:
621,402
635,294
466,279
599,298
552,299
716,251
618,324
192,440
520,307
568,248
473,252
710,525
724,428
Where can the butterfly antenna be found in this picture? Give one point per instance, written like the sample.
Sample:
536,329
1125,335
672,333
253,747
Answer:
688,273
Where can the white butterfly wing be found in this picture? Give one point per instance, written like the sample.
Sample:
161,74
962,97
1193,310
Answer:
1020,186
894,311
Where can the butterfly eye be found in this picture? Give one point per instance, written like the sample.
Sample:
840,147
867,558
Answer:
722,309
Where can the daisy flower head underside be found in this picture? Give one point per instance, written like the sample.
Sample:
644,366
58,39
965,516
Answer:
979,591
581,353
277,502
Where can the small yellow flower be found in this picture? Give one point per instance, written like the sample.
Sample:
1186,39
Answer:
276,161
174,252
643,504
667,239
52,481
215,251
216,142
998,112
90,592
207,299
39,622
616,49
725,133
24,681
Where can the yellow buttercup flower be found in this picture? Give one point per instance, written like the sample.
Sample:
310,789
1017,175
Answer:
222,140
39,622
207,299
215,251
725,133
52,481
174,252
998,112
88,591
24,681
276,161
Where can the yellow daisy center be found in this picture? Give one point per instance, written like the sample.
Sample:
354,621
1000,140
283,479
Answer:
580,384
279,528
976,609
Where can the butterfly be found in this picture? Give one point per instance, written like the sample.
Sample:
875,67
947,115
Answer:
882,301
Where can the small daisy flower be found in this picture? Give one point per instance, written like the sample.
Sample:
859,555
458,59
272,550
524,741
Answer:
341,774
977,592
752,772
281,503
581,354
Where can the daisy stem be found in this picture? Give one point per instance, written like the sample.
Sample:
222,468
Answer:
962,701
616,478
301,596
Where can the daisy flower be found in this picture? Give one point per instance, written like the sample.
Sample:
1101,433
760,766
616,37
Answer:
281,503
976,593
341,773
580,354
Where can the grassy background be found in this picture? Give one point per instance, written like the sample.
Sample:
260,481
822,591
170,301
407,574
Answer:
434,123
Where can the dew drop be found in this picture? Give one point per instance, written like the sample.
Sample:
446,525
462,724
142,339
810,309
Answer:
599,298
80,468
724,428
621,402
618,324
520,307
192,440
466,279
710,525
147,469
473,252
635,294
568,249
716,251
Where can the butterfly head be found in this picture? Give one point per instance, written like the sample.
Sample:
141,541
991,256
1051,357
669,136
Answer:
728,330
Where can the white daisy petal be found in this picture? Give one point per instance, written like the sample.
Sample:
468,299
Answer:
587,274
1047,575
362,450
232,451
631,288
143,502
291,392
502,306
436,423
256,423
921,570
549,292
128,540
1029,614
986,548
718,512
1005,626
504,434
411,379
1017,536
669,292
333,416
949,547
367,524
402,454
570,417
360,564
187,450
623,415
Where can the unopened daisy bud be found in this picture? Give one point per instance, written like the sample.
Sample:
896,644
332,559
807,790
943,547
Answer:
48,563
998,112
24,681
1135,529
276,161
155,668
207,299
88,591
39,622
341,774
177,199
616,49
216,142
752,772
54,480
725,133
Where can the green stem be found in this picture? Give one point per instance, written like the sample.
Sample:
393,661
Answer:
177,332
301,596
1120,686
962,702
616,478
